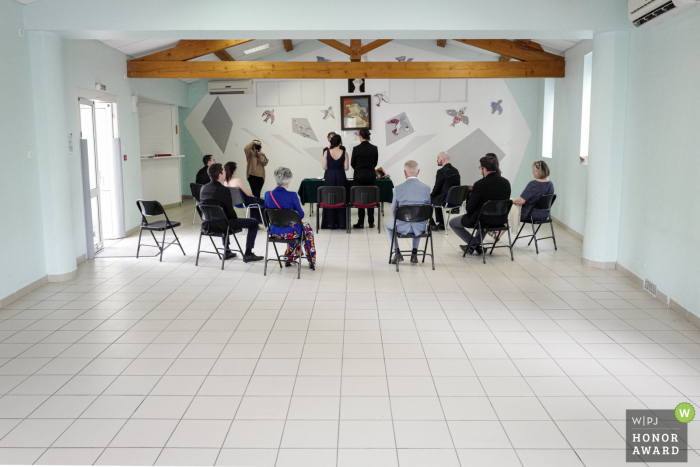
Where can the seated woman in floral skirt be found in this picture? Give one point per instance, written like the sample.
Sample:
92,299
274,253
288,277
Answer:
280,198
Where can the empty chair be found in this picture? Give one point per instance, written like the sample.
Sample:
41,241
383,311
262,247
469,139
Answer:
212,215
456,197
413,213
239,202
330,197
195,188
544,203
285,218
365,197
492,208
150,209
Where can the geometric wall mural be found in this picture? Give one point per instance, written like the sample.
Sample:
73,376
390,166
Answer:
302,127
397,128
218,124
465,155
405,151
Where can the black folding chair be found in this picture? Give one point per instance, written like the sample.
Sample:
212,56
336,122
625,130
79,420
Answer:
239,202
456,197
414,213
196,189
492,208
330,197
213,214
365,197
285,218
150,209
543,202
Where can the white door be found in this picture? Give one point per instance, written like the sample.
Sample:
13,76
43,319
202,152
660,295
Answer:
87,132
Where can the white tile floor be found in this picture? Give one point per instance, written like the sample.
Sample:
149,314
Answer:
529,363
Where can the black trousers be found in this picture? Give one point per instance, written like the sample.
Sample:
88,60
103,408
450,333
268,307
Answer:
256,184
438,216
252,226
361,216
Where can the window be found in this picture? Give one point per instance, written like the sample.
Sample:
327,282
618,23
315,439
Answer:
548,118
586,106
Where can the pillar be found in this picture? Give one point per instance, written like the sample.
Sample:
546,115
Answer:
53,155
606,147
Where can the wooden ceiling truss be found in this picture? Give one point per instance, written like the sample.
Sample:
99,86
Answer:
517,59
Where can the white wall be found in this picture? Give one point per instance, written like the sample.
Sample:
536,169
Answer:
568,174
21,237
660,220
511,131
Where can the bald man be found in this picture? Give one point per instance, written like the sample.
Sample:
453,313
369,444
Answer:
445,178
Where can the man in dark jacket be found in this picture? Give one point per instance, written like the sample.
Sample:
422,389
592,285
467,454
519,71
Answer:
203,176
216,193
445,178
492,187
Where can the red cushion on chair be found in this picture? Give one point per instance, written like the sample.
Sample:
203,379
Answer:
339,205
373,205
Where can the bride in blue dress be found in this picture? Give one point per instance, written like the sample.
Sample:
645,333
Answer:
335,163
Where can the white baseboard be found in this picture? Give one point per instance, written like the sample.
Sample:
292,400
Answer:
27,289
567,228
598,264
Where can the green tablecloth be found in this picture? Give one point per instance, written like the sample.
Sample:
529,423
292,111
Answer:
308,190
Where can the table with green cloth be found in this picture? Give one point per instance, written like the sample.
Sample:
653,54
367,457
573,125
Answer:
308,190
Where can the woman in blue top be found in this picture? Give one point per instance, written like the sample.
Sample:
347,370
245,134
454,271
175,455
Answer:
540,186
280,198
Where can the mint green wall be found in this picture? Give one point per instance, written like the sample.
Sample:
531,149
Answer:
192,162
569,176
21,250
660,220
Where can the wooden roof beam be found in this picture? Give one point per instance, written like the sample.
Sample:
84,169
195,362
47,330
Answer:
516,50
442,43
224,56
288,46
193,49
345,70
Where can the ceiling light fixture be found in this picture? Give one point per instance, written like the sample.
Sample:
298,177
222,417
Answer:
256,49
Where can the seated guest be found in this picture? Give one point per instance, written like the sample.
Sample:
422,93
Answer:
539,186
216,193
492,187
280,198
445,178
230,169
412,191
203,176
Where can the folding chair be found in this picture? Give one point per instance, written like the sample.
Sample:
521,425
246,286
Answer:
150,209
492,208
365,197
196,189
456,196
543,202
330,197
285,218
239,202
212,214
414,213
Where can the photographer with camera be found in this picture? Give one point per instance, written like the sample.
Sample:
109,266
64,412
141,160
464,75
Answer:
255,172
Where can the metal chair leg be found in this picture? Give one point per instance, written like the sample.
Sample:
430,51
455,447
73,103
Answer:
162,247
379,222
432,250
299,260
218,255
534,232
226,248
518,235
534,237
178,241
267,246
194,214
551,224
469,244
510,245
274,245
138,248
199,246
481,242
318,210
447,222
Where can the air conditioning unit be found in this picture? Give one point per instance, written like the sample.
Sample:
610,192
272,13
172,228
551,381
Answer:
235,86
646,12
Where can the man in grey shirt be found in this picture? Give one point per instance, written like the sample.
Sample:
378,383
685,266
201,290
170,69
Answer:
412,191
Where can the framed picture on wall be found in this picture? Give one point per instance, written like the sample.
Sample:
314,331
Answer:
357,112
